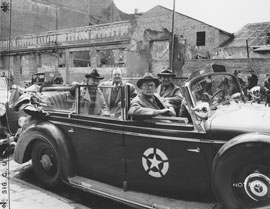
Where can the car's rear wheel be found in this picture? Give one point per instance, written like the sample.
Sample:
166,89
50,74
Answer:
241,177
46,164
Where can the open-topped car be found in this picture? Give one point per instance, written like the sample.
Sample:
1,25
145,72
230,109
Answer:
221,154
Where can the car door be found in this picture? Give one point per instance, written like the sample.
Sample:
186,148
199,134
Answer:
97,139
166,159
98,149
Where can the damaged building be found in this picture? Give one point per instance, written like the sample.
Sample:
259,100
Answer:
249,50
137,43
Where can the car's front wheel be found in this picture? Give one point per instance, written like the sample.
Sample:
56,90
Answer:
46,164
241,177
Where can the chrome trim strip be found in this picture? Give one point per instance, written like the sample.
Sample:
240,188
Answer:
104,194
146,135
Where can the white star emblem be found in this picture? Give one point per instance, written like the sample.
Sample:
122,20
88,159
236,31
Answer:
154,162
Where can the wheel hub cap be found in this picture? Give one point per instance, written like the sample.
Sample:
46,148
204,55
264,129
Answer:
257,186
46,162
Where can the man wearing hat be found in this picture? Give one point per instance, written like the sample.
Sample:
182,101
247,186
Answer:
252,79
148,104
168,89
94,100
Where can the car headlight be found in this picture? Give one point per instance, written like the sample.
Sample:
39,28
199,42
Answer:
21,121
2,109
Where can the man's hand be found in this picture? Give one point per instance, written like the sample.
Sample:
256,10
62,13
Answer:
166,112
172,112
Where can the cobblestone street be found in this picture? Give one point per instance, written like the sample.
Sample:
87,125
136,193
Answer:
25,195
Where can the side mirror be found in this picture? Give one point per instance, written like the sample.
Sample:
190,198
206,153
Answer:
202,110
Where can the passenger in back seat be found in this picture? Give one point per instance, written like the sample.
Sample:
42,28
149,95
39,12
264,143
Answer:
148,104
94,103
71,96
113,96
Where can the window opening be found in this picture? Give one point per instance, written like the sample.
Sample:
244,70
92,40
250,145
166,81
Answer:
200,38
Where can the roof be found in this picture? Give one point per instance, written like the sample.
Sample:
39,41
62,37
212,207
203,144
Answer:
262,49
255,33
159,6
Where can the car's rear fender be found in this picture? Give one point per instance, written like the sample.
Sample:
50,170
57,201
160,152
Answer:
244,139
50,133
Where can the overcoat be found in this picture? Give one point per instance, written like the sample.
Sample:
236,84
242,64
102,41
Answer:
142,108
97,107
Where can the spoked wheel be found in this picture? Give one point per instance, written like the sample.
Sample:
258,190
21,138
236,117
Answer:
241,178
46,164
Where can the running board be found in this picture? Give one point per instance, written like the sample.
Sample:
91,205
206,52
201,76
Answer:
138,199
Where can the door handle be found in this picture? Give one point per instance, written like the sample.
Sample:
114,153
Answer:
194,150
71,130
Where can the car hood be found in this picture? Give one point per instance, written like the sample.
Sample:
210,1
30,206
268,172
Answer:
232,120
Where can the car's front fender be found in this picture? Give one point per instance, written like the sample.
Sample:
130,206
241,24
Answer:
50,133
242,161
249,138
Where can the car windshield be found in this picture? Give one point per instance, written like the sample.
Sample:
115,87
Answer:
216,89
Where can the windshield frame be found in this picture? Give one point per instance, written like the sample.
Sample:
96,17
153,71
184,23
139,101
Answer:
198,79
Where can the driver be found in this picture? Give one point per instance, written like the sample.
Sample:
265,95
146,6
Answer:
200,94
148,104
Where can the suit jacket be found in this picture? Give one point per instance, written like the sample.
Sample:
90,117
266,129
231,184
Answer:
113,99
252,81
267,84
172,94
142,108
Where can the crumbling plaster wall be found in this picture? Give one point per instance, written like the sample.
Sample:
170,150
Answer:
186,28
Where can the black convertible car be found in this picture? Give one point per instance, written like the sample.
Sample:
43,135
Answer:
220,154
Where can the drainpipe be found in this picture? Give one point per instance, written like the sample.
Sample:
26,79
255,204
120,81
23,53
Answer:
247,48
56,45
172,40
9,44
